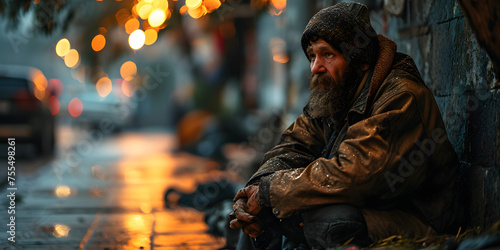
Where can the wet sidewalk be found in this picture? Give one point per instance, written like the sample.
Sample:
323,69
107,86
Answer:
108,194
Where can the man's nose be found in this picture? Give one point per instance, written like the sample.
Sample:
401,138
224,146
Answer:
318,66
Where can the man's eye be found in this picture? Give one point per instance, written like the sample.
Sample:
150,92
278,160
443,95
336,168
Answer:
312,57
329,55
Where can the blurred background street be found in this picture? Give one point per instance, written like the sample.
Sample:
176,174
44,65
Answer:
111,197
114,103
135,121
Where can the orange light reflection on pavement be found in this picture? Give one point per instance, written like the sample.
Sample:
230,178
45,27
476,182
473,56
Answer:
61,231
139,229
63,192
140,179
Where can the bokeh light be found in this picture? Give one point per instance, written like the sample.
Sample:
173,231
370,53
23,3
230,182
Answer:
103,30
279,4
145,10
72,58
197,12
122,16
127,88
151,36
136,39
61,231
160,5
157,18
98,42
55,87
212,4
39,80
128,70
75,107
54,105
39,94
62,192
104,86
132,25
281,58
62,47
192,4
183,9
138,5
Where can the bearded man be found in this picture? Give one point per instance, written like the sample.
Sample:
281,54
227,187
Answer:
368,159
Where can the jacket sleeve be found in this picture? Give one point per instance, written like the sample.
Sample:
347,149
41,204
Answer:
376,162
300,144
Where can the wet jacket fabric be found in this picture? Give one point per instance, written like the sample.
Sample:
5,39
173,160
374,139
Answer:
390,153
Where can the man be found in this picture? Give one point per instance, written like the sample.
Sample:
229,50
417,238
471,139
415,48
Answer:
368,159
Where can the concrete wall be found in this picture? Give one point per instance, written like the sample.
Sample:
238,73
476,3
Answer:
459,73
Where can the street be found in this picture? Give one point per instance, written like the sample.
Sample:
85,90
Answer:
105,193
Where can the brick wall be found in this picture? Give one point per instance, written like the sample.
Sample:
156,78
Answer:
460,75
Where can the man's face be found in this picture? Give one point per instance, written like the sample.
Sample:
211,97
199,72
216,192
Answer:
325,59
334,81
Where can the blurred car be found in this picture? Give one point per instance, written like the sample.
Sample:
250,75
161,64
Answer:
98,110
24,111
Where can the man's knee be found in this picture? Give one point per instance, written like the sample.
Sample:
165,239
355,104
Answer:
333,225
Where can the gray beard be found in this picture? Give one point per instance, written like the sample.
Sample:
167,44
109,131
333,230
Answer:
338,95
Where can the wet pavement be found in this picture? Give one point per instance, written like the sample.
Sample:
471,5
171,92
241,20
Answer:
107,193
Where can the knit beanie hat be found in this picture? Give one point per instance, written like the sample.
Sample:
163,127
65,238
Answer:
346,27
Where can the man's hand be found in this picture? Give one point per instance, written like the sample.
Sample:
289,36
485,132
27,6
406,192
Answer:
245,209
252,229
251,194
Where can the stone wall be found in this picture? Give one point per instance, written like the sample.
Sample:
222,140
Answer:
460,75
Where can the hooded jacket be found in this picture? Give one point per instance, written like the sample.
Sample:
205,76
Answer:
390,153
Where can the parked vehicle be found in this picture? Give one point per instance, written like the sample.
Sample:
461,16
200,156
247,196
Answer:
24,111
97,109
